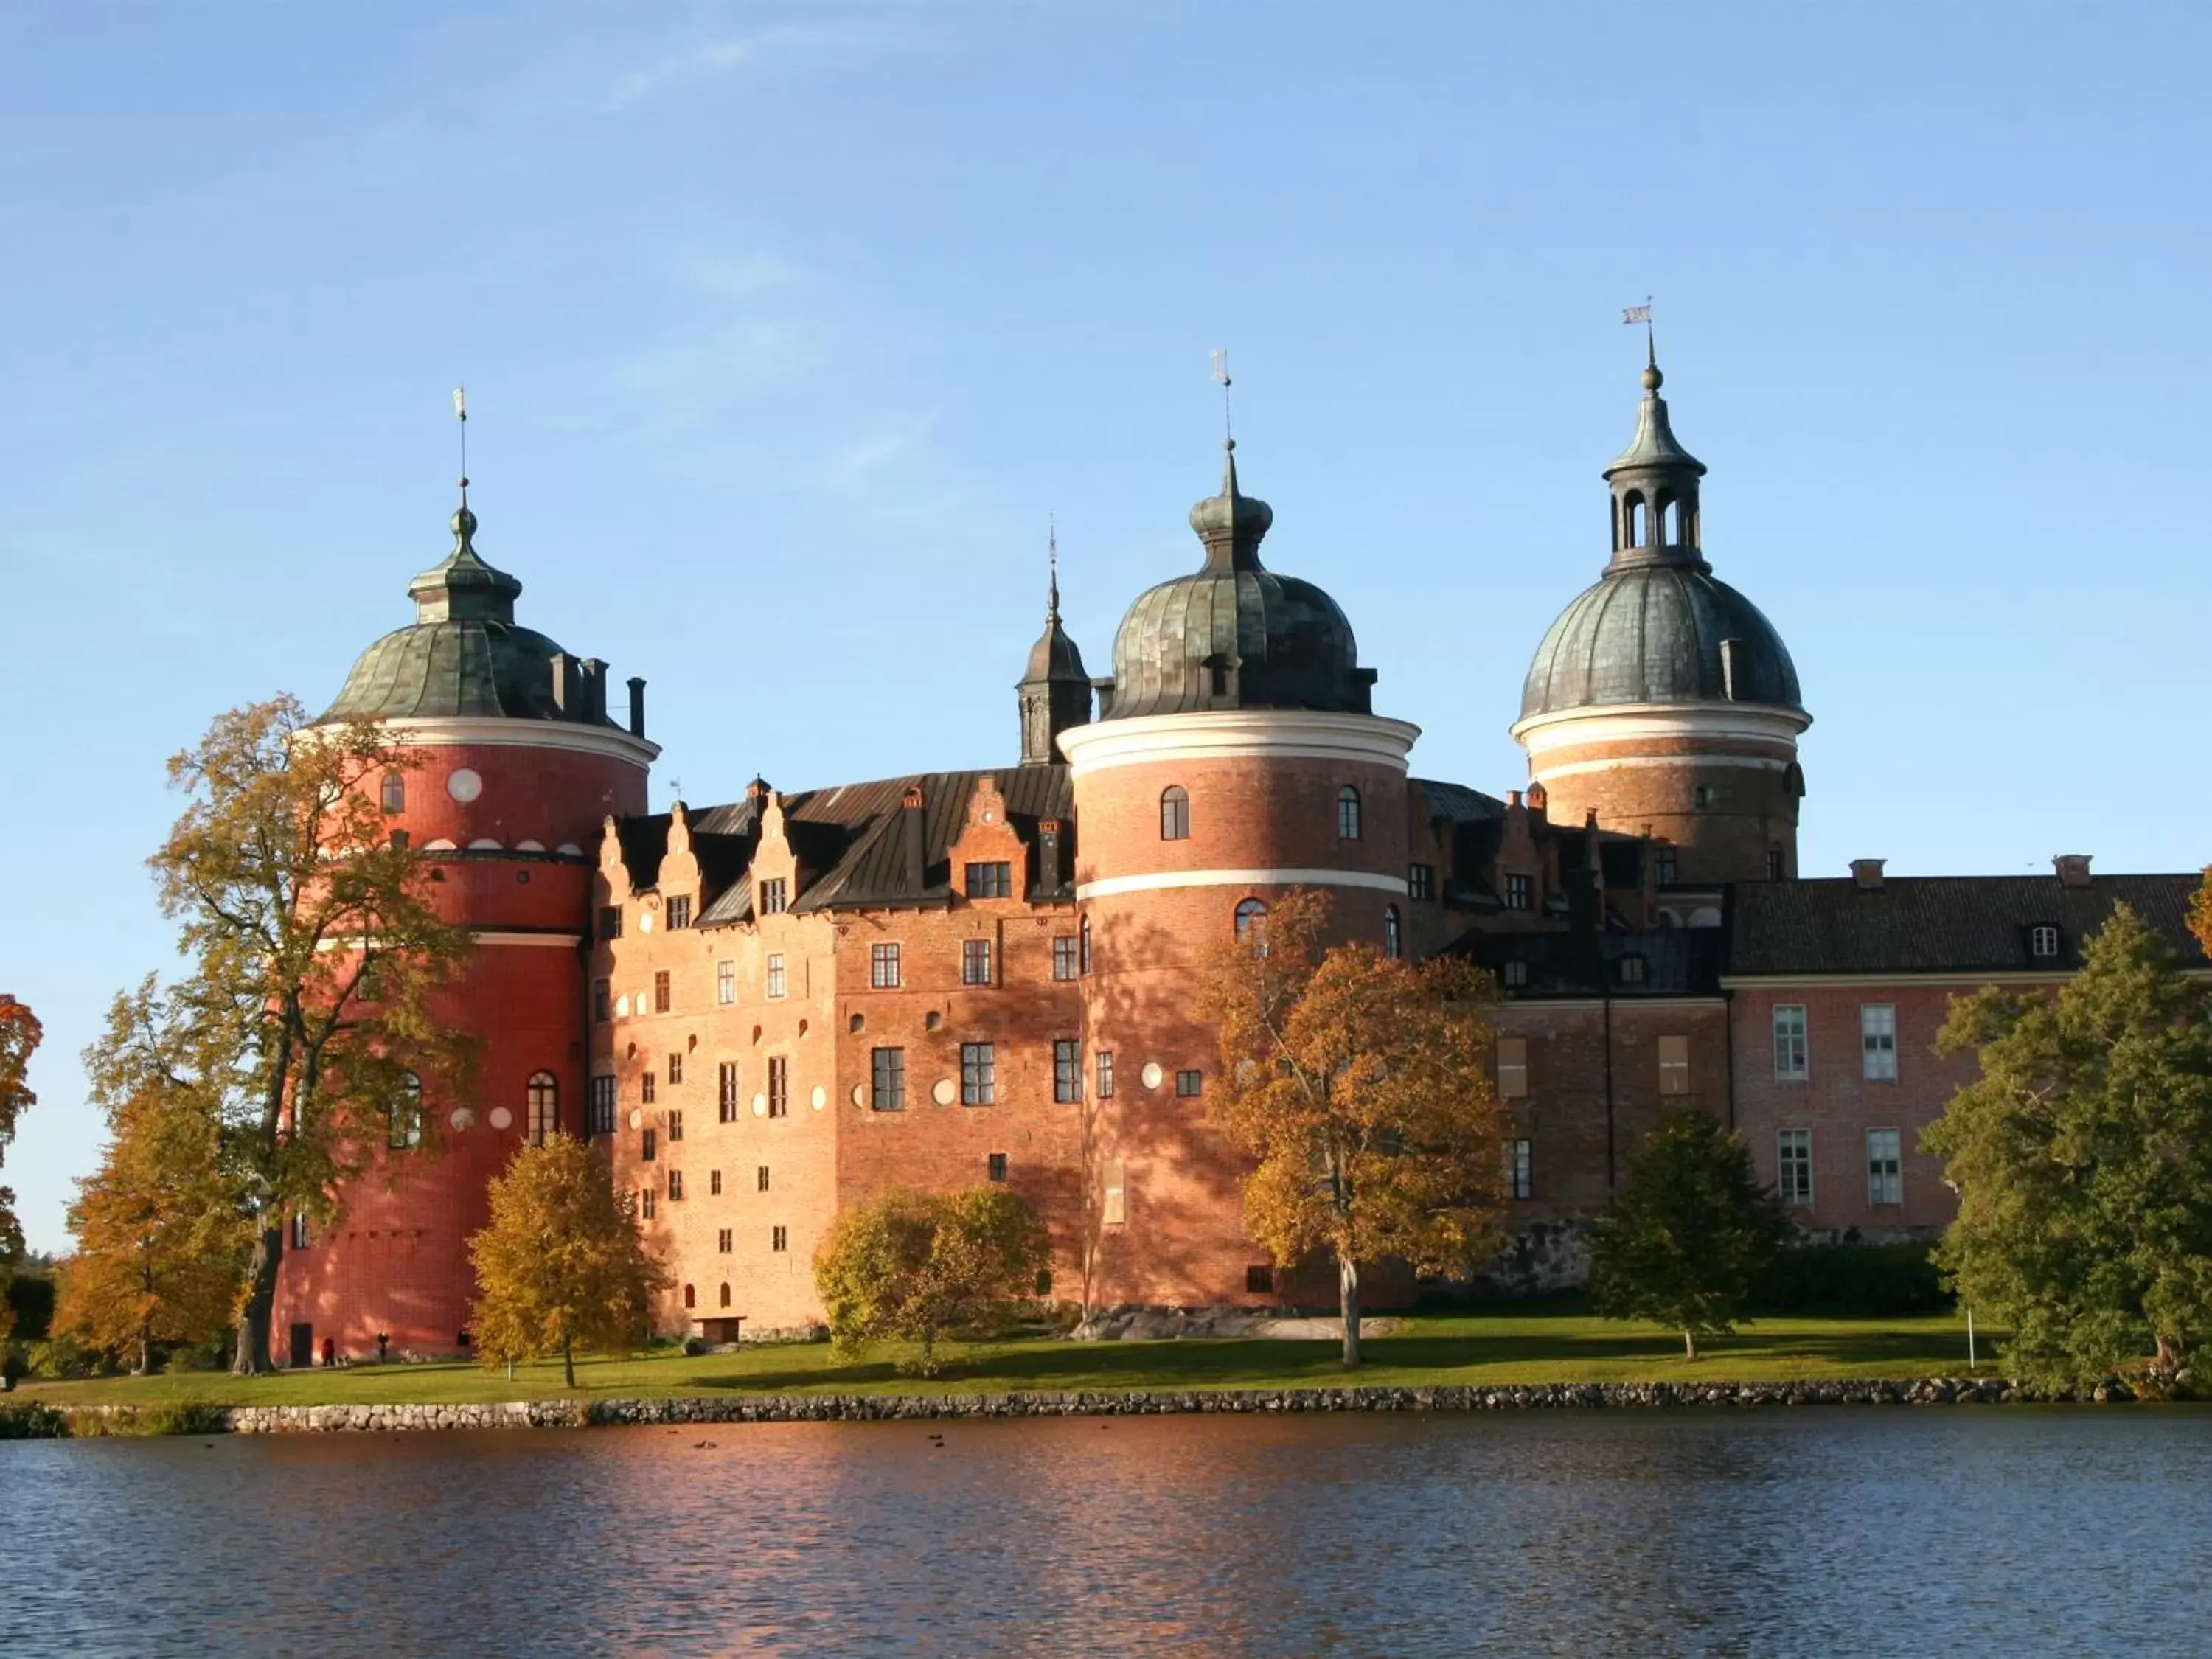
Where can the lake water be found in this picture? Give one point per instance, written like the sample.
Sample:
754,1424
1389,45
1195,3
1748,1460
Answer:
1807,1532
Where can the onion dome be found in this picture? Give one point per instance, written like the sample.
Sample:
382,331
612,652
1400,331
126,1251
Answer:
1658,627
464,656
1235,634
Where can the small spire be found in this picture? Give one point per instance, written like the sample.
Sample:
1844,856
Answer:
1052,564
461,416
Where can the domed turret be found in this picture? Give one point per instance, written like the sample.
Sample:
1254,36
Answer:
1234,634
1661,698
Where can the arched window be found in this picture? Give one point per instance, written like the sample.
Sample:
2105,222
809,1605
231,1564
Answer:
1250,913
690,1297
1393,941
1633,504
725,1294
1347,813
395,793
1083,946
402,1121
1670,521
544,1106
1175,813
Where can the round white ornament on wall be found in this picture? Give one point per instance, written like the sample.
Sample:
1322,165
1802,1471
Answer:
942,1091
760,1105
461,1118
636,1118
1152,1074
500,1117
821,1097
464,785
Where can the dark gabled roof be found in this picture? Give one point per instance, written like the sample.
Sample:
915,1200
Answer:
1458,803
1940,924
849,839
1678,961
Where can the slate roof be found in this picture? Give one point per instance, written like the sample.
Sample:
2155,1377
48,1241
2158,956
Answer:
1652,632
1940,924
849,839
1678,961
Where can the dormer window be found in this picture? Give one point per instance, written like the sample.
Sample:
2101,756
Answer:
774,896
2043,941
1634,970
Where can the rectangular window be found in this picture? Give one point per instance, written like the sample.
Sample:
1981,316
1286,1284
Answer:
602,1001
990,881
1662,865
1189,1084
1512,1068
675,1128
1520,1170
760,1178
887,1080
675,1068
660,996
1791,1063
1105,1074
1066,963
679,912
1259,1280
603,1106
776,976
774,896
884,966
779,1238
1114,1198
1794,1159
979,1074
726,1091
1520,892
645,1199
975,962
726,1241
779,1087
1420,881
1885,1169
1067,1070
609,920
675,1186
646,1089
726,982
2043,941
995,1166
1673,1065
1878,1040
649,1146
713,1183
1774,870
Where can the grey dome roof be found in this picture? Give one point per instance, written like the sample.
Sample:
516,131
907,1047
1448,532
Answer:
464,655
1235,634
1652,632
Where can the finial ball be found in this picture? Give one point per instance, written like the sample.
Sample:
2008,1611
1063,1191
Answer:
1229,444
1653,379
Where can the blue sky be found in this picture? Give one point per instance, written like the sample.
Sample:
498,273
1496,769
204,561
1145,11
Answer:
786,328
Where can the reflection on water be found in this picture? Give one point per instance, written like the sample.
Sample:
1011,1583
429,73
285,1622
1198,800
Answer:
1809,1532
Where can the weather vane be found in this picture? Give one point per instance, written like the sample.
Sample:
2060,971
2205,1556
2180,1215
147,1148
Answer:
1221,374
1631,315
461,414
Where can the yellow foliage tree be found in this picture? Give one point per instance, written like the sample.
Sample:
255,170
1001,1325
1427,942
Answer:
19,1038
560,1265
1361,1082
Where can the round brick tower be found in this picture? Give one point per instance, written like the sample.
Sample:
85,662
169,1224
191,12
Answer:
1236,759
1662,699
519,767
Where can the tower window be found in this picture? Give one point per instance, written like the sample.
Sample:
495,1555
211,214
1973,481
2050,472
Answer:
1670,521
1082,945
1512,1053
680,911
1347,813
1393,941
395,793
1775,862
402,1121
544,1097
1175,813
1638,526
990,881
1105,1074
774,896
1701,795
1250,913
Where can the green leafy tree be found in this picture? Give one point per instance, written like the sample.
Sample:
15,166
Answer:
1691,1234
1361,1084
560,1265
911,1267
315,951
2082,1158
19,1040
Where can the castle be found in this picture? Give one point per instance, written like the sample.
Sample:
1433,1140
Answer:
772,1008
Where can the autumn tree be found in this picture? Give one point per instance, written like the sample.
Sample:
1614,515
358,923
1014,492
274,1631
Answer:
1691,1236
315,951
560,1266
19,1040
911,1267
160,1241
2082,1159
2199,913
1361,1084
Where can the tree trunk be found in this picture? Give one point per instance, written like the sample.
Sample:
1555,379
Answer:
1347,1300
1689,1342
568,1362
2169,1354
145,1353
252,1358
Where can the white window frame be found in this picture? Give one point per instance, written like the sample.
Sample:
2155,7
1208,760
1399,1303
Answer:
1520,1167
1793,1164
2043,942
1878,1042
726,982
1885,1168
775,976
1793,1049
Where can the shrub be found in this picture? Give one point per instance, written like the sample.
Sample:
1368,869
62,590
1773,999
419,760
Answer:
1862,1280
183,1417
27,1419
30,1299
61,1359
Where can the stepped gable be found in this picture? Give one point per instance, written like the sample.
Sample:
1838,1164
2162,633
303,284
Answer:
1943,924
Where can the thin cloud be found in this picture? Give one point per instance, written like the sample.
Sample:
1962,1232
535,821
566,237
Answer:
710,60
856,461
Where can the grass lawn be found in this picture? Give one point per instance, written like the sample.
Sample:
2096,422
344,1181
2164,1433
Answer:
1457,1348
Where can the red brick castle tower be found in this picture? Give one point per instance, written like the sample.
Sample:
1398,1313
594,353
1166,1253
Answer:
522,764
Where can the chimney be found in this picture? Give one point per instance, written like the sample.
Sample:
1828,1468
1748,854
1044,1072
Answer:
1051,874
1539,799
568,686
910,836
1866,874
637,705
594,704
1512,797
2073,869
